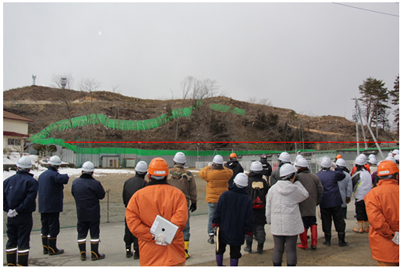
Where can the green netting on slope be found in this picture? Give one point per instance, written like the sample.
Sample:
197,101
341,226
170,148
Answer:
147,124
225,108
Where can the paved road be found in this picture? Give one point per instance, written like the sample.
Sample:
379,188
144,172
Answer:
112,245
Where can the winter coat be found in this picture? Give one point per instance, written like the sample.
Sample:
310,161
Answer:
51,190
363,186
234,214
382,205
345,188
236,168
183,180
131,186
275,176
314,188
355,169
283,212
254,179
19,193
87,192
267,169
217,181
331,196
158,198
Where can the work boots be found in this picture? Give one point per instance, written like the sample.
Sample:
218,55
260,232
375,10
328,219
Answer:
136,253
260,248
95,251
219,259
128,251
82,249
23,257
234,262
365,226
52,248
44,243
11,257
327,241
359,229
342,243
314,236
248,246
187,250
303,239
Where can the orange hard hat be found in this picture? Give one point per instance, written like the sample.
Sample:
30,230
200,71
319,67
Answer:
387,167
232,155
158,167
339,156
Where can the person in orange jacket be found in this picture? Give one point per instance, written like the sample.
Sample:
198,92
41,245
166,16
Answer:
217,177
158,198
382,205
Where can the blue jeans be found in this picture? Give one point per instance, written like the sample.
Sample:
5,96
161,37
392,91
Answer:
186,229
211,210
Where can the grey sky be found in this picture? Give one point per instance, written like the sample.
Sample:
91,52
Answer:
309,57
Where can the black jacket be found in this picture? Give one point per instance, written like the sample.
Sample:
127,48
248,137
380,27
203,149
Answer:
234,214
51,190
132,185
258,214
236,168
19,192
87,192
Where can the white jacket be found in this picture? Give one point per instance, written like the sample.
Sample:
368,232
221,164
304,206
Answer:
363,186
282,211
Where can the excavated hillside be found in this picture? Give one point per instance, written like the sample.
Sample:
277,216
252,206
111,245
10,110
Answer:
259,123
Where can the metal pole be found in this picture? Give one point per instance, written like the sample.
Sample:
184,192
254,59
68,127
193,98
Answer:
108,205
358,145
372,134
362,125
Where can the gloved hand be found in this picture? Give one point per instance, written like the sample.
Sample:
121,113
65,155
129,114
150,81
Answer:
160,239
396,238
12,213
193,207
348,200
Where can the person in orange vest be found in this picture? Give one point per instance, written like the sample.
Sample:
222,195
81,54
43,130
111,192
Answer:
382,205
167,201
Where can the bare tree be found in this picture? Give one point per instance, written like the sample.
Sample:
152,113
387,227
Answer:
89,85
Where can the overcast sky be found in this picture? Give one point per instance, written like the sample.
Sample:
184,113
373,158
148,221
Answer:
309,57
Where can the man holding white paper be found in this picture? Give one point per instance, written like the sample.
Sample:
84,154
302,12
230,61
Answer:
158,198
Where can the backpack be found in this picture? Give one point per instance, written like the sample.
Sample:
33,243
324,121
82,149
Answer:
257,188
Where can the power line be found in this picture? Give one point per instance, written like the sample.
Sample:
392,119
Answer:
366,9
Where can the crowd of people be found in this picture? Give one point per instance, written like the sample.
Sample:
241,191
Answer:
239,207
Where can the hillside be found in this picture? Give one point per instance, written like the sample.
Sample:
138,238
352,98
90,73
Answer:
259,123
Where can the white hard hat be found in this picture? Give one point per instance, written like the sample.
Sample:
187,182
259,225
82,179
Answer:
286,170
55,161
363,156
256,166
361,161
371,156
88,167
326,162
390,154
341,162
180,158
391,158
396,157
302,162
141,166
395,151
24,162
241,179
373,161
299,156
218,160
284,157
